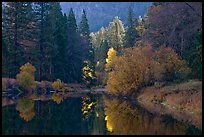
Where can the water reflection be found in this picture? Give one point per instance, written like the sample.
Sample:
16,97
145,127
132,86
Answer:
87,107
93,115
124,118
58,97
25,106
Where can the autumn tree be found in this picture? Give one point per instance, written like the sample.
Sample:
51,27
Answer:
26,77
112,55
173,24
142,66
88,74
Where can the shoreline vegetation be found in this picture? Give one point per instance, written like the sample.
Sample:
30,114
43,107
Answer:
156,99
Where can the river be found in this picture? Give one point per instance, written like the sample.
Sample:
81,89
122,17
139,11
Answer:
89,115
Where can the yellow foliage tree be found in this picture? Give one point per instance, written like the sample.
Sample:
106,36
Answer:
58,85
142,66
112,55
26,78
88,74
28,68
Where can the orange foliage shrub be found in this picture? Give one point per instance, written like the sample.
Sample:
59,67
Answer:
172,64
140,66
57,85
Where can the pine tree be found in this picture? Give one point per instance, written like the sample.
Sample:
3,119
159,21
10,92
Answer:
41,12
5,60
74,54
131,33
84,26
71,22
61,41
17,17
54,41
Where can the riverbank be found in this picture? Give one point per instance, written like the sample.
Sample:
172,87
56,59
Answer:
182,101
78,92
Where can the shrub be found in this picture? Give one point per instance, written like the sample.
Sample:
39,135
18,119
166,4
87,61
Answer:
142,66
29,68
172,64
26,80
57,85
130,71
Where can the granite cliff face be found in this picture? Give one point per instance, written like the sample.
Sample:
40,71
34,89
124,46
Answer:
101,13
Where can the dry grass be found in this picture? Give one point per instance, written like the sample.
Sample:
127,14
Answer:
177,98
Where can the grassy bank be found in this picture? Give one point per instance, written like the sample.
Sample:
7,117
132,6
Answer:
183,101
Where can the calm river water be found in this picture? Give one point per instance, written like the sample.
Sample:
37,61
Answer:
94,115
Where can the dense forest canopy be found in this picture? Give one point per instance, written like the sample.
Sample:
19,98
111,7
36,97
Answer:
60,47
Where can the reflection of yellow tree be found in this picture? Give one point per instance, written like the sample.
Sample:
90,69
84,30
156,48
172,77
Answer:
25,106
27,116
86,106
121,118
57,97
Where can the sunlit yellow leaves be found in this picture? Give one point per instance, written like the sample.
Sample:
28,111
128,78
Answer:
28,68
112,55
88,73
57,85
26,77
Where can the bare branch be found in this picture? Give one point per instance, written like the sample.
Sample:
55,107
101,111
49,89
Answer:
193,9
